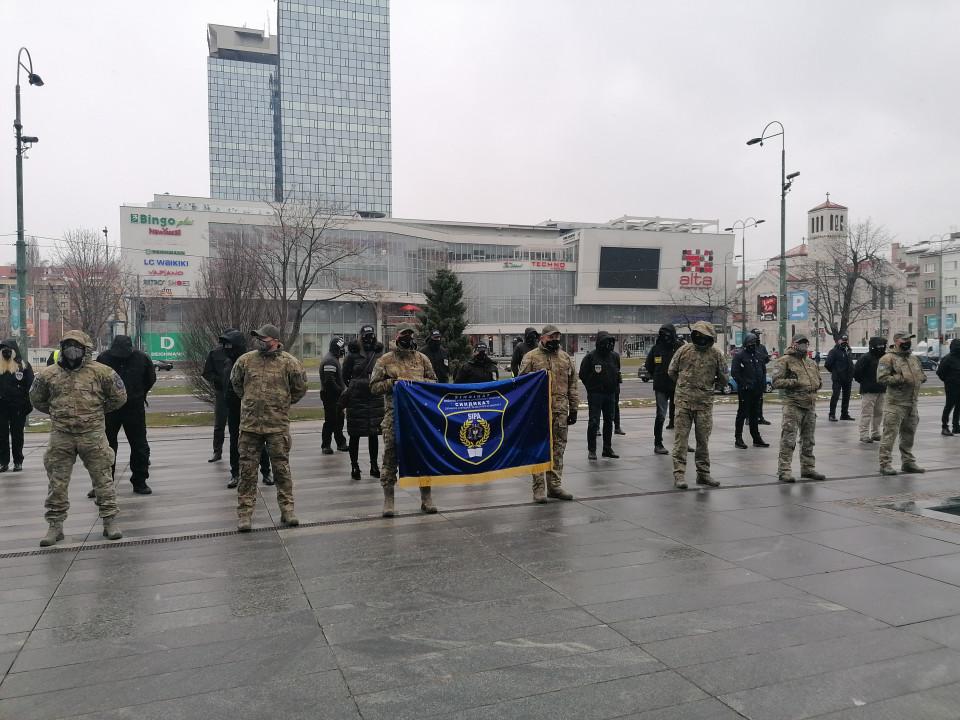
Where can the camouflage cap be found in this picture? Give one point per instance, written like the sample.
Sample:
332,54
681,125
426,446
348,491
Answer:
902,335
800,338
405,328
267,331
549,330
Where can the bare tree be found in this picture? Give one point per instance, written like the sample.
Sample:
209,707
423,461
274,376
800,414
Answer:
228,293
701,303
844,275
94,280
304,252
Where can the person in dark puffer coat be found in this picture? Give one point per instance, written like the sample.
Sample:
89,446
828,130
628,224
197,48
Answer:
364,411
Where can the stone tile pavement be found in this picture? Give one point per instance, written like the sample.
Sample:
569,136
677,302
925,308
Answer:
753,600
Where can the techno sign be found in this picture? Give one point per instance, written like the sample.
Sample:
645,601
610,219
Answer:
766,307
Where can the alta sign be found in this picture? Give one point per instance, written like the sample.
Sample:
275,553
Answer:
696,269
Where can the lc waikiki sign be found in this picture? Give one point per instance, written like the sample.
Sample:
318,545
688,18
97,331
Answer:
160,225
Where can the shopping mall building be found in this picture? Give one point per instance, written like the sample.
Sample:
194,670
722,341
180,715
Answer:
627,276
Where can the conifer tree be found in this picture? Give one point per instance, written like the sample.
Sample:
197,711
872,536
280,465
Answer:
445,312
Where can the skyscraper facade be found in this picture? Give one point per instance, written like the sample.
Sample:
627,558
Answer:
314,124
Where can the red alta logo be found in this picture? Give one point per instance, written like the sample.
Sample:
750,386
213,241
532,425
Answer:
697,269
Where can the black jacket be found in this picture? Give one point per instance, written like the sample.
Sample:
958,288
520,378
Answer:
14,390
657,363
600,371
133,366
440,359
840,364
220,360
748,370
364,411
519,351
477,371
331,374
949,368
865,373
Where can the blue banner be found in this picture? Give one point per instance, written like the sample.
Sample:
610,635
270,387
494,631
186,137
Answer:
460,434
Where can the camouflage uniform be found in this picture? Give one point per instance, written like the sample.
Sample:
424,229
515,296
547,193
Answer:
696,373
564,400
268,383
799,378
77,401
397,365
902,375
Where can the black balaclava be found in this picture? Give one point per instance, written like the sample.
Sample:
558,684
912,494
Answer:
531,336
701,341
368,338
750,342
122,346
878,346
71,354
336,346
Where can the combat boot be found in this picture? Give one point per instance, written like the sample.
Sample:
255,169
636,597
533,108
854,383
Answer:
659,449
53,536
426,501
945,431
812,474
374,470
609,453
955,430
243,523
234,481
707,480
887,470
111,529
355,472
288,518
679,482
591,454
912,468
539,490
558,493
739,443
877,437
388,501
786,477
326,450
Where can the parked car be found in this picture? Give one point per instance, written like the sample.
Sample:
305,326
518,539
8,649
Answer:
928,362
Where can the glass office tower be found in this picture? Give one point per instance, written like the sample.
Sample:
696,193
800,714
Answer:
326,107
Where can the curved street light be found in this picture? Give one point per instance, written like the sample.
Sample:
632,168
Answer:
23,142
742,226
786,181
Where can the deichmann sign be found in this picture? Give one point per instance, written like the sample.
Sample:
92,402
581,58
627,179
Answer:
164,346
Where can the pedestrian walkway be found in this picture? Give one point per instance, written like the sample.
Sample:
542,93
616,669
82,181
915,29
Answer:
755,599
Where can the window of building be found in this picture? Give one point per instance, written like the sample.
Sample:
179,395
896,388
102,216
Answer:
950,300
929,284
889,298
929,267
831,222
929,302
910,309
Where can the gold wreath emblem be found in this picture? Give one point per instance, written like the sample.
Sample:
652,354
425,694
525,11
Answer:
465,433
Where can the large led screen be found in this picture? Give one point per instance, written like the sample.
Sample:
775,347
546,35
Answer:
629,268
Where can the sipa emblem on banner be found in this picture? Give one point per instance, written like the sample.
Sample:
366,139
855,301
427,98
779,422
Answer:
474,424
697,268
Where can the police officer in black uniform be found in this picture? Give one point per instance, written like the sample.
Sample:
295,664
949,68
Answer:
439,357
332,387
600,375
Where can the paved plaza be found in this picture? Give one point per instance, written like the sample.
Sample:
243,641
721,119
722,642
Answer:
753,600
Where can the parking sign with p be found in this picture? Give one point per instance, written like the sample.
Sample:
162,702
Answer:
799,304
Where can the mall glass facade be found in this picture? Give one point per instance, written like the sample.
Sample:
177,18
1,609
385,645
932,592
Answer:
242,97
335,102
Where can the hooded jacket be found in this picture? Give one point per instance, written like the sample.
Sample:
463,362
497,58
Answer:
77,400
364,411
331,373
900,371
799,378
659,357
748,367
949,368
439,359
134,367
840,364
865,371
522,348
697,371
16,377
220,361
600,371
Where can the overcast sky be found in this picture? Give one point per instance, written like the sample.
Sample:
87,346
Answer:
522,110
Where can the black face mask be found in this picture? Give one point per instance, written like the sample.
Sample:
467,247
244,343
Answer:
876,350
905,347
7,353
701,341
531,339
551,346
405,342
368,342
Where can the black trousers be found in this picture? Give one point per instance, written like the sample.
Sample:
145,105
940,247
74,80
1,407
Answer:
616,409
12,421
220,413
952,406
132,417
598,404
373,446
332,424
748,409
233,423
841,392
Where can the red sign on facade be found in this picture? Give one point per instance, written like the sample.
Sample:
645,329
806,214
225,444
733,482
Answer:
767,307
697,268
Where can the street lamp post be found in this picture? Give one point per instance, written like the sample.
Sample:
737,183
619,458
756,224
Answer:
742,226
785,182
23,143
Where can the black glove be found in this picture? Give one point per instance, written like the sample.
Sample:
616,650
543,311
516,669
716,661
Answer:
572,418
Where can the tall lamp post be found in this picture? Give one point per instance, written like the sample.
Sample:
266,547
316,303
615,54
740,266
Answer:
24,142
742,226
785,182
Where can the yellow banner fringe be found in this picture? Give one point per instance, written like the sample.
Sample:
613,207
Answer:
475,479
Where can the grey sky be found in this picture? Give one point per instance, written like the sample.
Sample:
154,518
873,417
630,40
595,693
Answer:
522,110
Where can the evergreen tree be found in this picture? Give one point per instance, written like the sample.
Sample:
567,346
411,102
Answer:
445,312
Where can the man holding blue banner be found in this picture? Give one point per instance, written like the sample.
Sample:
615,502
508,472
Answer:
404,363
563,403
